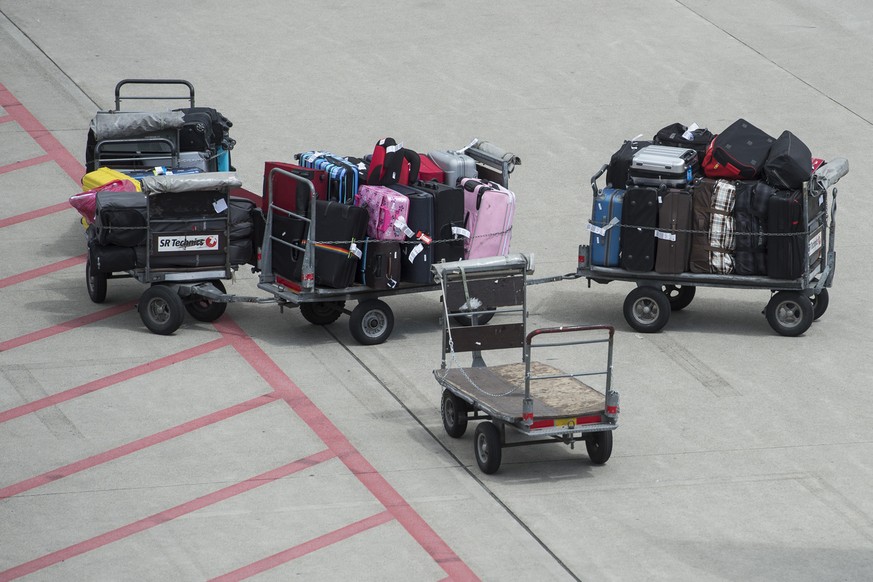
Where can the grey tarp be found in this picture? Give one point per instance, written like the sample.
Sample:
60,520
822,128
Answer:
190,182
830,173
107,125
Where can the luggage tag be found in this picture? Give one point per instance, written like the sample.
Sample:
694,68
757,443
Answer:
354,250
665,235
601,230
459,231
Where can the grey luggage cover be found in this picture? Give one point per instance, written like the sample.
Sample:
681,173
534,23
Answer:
221,181
106,125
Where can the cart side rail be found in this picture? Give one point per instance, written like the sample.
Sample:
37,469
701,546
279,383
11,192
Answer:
307,280
181,82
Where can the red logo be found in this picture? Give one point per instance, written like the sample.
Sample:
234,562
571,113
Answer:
211,242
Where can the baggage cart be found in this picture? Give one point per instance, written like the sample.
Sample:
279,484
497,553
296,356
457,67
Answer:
533,400
794,303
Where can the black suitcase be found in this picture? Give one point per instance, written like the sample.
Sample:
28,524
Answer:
738,152
620,163
120,218
448,211
789,163
110,258
417,254
674,135
674,238
639,219
380,264
785,254
750,253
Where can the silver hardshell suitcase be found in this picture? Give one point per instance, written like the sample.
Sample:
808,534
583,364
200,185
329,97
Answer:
454,165
654,165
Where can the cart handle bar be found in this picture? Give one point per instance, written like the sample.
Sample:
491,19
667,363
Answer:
120,84
566,328
599,173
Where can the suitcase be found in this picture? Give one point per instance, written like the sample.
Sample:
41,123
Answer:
639,219
673,234
417,251
701,205
657,165
288,193
120,218
789,163
86,202
737,153
750,255
722,230
205,130
429,170
388,211
339,228
785,254
455,166
110,258
102,176
380,265
342,175
620,163
677,135
605,227
449,231
489,211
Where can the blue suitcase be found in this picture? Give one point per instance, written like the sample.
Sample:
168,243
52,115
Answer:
343,175
605,227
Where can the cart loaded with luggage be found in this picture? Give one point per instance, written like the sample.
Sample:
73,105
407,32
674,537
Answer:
738,209
162,204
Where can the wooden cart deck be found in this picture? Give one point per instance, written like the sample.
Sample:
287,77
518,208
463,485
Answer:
553,397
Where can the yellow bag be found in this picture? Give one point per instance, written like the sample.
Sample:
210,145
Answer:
103,176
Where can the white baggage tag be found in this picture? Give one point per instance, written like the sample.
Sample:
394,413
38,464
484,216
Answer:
414,252
219,205
353,249
458,231
665,235
601,230
689,134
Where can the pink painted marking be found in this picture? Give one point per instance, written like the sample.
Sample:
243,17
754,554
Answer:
111,380
134,446
21,164
313,545
35,273
5,118
38,213
66,326
337,442
163,516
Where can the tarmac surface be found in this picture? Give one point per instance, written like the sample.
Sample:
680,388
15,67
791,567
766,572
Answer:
264,446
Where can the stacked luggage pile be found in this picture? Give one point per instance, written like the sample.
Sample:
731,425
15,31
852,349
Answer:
382,220
726,204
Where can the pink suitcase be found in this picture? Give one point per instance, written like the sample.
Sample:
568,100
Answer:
489,209
388,210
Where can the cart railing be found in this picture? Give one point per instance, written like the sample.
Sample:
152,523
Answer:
307,279
181,82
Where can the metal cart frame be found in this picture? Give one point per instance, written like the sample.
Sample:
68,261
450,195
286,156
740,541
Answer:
557,408
794,303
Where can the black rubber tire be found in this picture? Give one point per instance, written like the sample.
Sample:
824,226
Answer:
481,319
454,413
161,309
789,313
203,309
680,296
95,283
647,309
323,312
487,447
819,303
599,446
371,322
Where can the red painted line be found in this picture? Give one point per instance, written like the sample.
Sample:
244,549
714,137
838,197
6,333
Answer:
66,326
134,446
111,380
313,545
337,442
35,273
163,516
39,213
41,135
5,118
21,164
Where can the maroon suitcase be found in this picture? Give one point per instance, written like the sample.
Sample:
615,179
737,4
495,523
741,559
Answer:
290,194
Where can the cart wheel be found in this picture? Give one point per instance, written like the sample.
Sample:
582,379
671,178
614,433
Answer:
819,303
487,446
322,313
454,411
680,296
371,322
599,445
790,313
96,283
647,309
467,320
203,309
161,309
